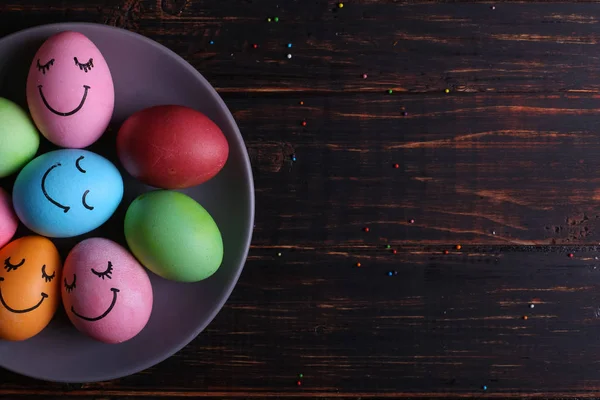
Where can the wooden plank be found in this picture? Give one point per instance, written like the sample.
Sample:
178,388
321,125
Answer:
443,324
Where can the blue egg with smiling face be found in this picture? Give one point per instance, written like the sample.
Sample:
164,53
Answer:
67,193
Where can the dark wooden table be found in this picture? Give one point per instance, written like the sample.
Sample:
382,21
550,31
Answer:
480,171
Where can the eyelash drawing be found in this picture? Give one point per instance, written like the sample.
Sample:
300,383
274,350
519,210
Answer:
85,67
47,278
45,67
11,267
69,288
105,274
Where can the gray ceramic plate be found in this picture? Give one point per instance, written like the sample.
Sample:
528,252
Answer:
145,74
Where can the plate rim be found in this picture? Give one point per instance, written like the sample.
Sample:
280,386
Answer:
248,176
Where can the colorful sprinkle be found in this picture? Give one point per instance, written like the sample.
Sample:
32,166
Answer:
387,246
358,265
299,383
255,46
365,76
390,273
394,251
279,254
269,19
458,247
525,317
276,19
484,387
289,45
304,123
571,255
412,221
340,5
289,56
404,113
366,229
446,252
532,306
300,376
396,166
390,91
447,90
493,7
301,103
212,42
294,157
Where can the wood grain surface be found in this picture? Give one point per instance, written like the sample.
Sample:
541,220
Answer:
506,165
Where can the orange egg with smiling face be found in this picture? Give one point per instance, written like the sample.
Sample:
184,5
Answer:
30,273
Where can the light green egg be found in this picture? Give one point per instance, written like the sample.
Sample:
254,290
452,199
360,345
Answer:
173,236
19,138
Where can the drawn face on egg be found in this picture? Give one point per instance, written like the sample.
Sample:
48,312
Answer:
70,91
66,193
106,274
105,291
63,207
29,286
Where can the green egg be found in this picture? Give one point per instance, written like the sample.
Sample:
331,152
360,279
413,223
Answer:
19,138
173,236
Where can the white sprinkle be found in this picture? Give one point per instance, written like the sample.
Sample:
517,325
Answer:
289,56
532,306
493,232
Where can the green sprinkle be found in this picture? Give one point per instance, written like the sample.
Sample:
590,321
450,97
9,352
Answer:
390,91
276,19
388,246
300,375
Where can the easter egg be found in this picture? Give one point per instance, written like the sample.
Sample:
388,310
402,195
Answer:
8,219
29,287
19,139
66,193
173,236
106,292
171,147
70,91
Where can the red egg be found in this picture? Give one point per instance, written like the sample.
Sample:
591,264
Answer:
171,147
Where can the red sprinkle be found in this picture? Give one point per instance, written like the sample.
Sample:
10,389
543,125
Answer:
446,252
303,123
301,103
255,46
394,251
299,383
571,255
367,229
396,166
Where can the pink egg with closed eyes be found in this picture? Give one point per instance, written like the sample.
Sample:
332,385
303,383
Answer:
105,291
70,90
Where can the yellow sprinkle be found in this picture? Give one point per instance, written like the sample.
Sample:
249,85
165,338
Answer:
447,90
341,5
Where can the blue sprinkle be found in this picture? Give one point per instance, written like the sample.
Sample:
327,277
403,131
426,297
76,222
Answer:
212,42
390,273
293,158
289,45
484,387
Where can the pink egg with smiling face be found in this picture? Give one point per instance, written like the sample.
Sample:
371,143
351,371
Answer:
105,291
70,90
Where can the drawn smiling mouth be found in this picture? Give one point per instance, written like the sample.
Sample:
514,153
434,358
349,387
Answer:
64,114
112,305
44,297
50,199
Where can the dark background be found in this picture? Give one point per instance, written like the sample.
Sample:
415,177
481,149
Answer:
506,165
